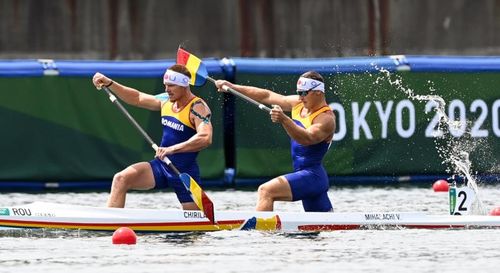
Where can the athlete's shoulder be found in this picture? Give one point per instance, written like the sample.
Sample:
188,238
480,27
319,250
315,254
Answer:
199,104
326,118
326,110
200,110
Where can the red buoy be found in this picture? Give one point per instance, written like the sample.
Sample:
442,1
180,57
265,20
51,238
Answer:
495,212
124,235
440,186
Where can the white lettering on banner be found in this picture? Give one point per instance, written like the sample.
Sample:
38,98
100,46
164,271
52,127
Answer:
405,119
405,133
476,130
341,121
384,116
173,125
494,118
432,129
457,127
359,121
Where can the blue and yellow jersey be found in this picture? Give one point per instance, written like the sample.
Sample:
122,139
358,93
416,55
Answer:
178,128
312,155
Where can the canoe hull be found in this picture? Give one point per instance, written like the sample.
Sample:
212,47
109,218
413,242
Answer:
62,216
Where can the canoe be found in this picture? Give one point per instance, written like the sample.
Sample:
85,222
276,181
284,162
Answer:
64,216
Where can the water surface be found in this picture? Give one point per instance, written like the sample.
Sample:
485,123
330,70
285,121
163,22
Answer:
390,250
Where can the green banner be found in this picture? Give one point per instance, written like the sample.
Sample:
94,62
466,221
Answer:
62,128
383,128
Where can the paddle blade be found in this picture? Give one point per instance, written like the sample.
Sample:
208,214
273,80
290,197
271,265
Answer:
198,70
200,198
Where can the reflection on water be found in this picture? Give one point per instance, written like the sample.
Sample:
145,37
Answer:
301,235
182,238
51,233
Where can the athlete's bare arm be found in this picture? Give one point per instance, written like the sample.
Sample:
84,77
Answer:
127,94
262,95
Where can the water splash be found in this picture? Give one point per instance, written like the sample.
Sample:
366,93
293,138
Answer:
454,151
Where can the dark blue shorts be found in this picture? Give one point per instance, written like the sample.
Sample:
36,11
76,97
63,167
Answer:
311,186
165,177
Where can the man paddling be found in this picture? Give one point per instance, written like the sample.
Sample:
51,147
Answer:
186,130
311,131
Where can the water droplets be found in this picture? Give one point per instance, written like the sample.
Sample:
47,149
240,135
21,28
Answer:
452,139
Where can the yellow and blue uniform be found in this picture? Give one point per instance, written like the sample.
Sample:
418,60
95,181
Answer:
177,128
309,181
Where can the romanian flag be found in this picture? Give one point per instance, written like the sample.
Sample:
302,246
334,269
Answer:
198,70
267,224
199,196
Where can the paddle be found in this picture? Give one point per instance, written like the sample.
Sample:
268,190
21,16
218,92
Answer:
199,196
200,75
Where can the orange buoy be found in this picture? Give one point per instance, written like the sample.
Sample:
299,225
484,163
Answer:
441,185
124,235
495,212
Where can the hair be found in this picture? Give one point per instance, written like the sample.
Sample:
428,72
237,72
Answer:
181,69
313,75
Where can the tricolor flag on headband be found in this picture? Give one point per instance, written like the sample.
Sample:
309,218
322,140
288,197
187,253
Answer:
198,70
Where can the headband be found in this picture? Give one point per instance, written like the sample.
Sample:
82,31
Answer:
172,77
307,84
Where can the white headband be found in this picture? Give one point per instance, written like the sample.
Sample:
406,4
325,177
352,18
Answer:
172,77
305,84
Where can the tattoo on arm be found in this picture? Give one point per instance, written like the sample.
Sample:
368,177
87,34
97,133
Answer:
205,119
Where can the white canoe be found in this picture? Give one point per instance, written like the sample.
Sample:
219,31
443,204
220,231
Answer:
62,216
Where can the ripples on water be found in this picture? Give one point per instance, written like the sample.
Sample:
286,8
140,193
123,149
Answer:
393,250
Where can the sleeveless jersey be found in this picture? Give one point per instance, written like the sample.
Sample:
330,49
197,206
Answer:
178,128
312,155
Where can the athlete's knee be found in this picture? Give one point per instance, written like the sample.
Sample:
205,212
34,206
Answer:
265,192
120,180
